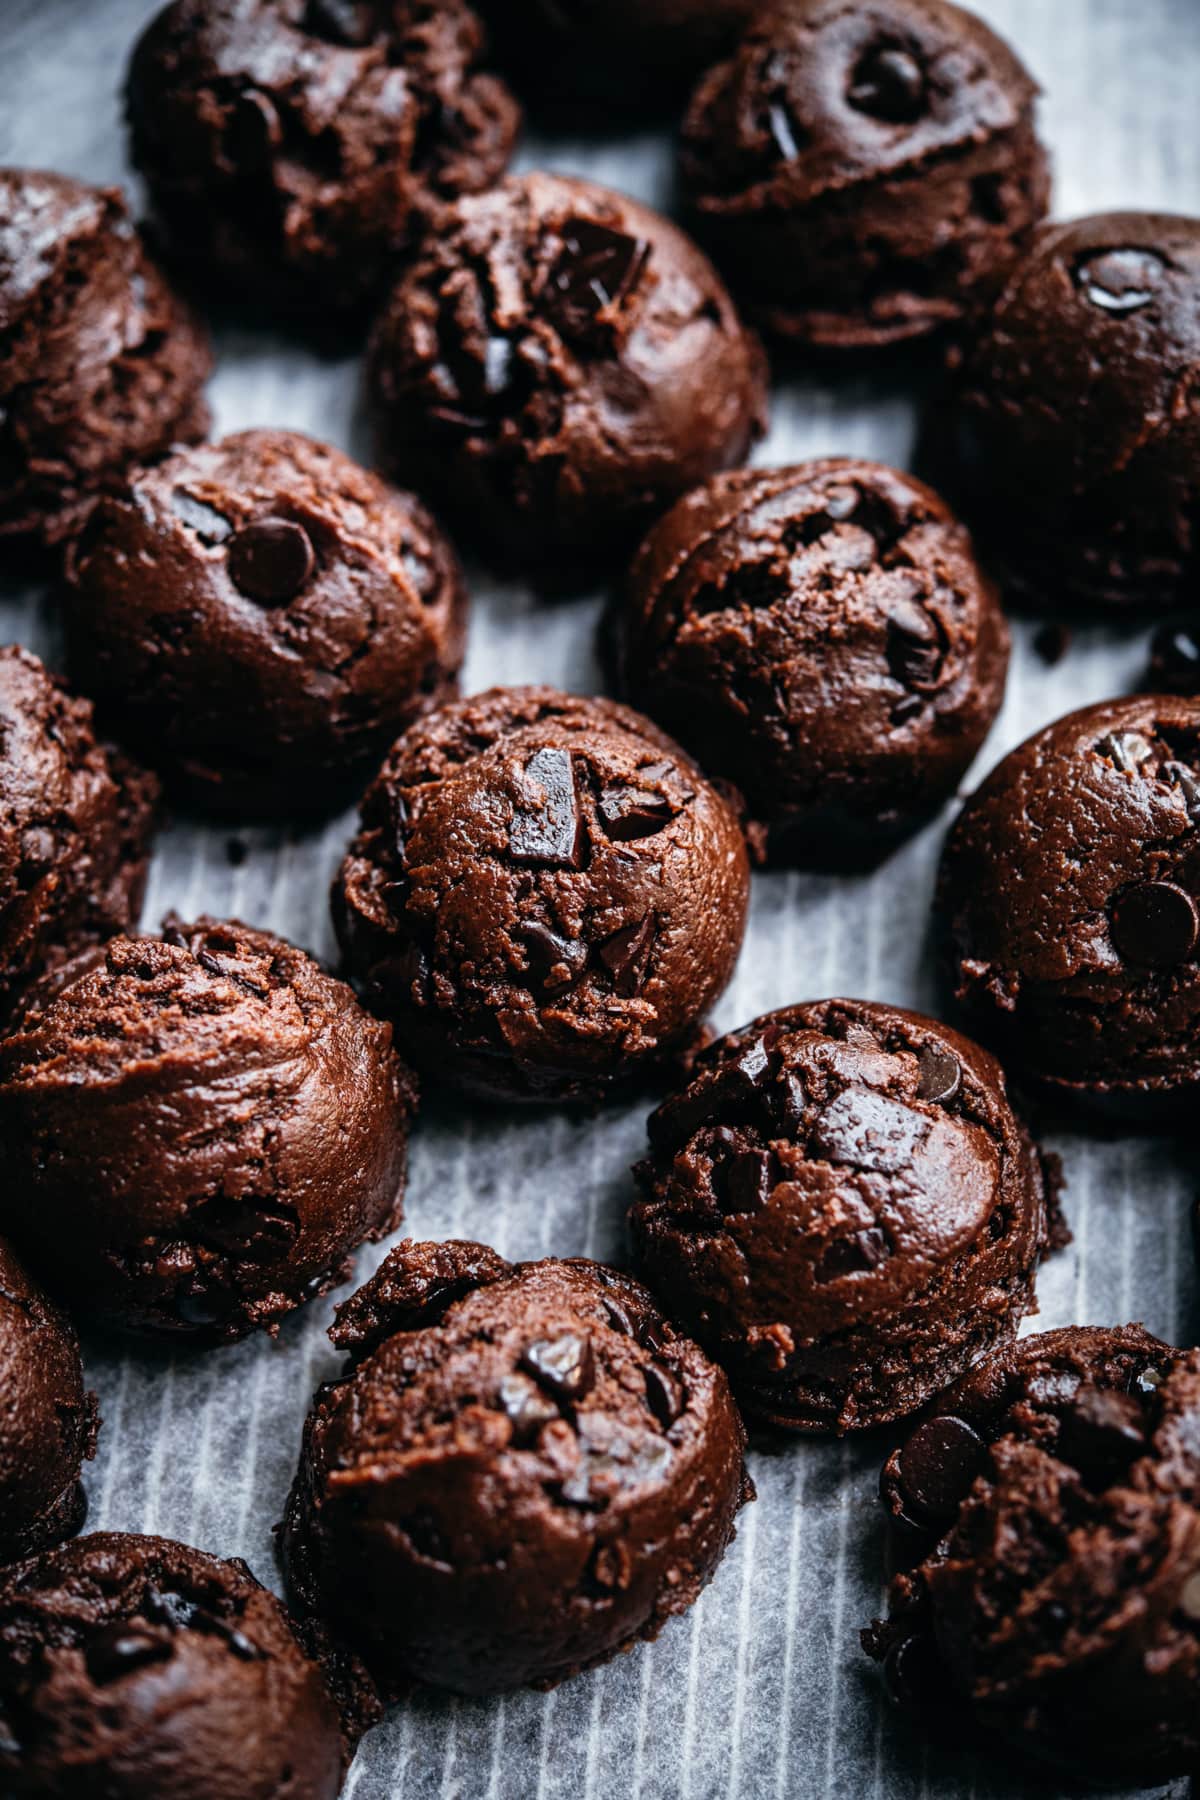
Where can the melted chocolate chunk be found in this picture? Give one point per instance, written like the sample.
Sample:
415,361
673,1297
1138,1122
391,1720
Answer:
746,1180
914,649
664,1395
270,560
556,961
1125,750
526,1405
888,83
121,1648
854,1255
1155,924
596,268
1120,281
1102,1433
626,955
551,831
565,1365
210,526
633,812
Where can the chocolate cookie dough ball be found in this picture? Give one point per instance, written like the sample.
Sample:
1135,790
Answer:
263,617
558,365
544,894
523,1470
841,1205
1068,898
626,54
101,366
294,148
48,1424
139,1669
822,636
197,1131
1077,440
76,818
864,173
1052,1503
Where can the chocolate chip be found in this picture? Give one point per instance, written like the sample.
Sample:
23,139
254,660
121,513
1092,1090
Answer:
121,1648
788,1102
626,955
914,648
596,267
551,830
733,1091
940,1075
527,1407
1125,750
1155,924
1120,281
210,526
563,1364
633,812
556,961
853,1255
270,560
1102,1433
888,83
746,1181
938,1465
664,1395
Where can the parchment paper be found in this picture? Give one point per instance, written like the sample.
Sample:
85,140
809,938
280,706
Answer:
761,1690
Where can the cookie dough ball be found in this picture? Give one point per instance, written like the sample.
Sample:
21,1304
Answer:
293,148
101,366
523,1470
1077,441
865,173
197,1131
263,617
631,55
841,1205
558,365
1052,1503
140,1669
76,817
822,636
48,1424
1068,897
544,894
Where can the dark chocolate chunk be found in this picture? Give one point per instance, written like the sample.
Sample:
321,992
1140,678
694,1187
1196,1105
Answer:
556,961
856,1254
663,1394
526,1405
938,1465
551,831
1102,1433
1125,750
633,812
596,268
914,648
270,560
1120,281
210,526
1155,924
746,1180
940,1075
121,1648
889,83
626,955
563,1364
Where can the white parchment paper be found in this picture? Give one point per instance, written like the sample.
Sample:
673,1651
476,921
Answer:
761,1690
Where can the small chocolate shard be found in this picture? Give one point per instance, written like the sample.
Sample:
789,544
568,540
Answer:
564,1365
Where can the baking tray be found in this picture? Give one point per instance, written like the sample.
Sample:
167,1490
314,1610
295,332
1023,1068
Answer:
761,1689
